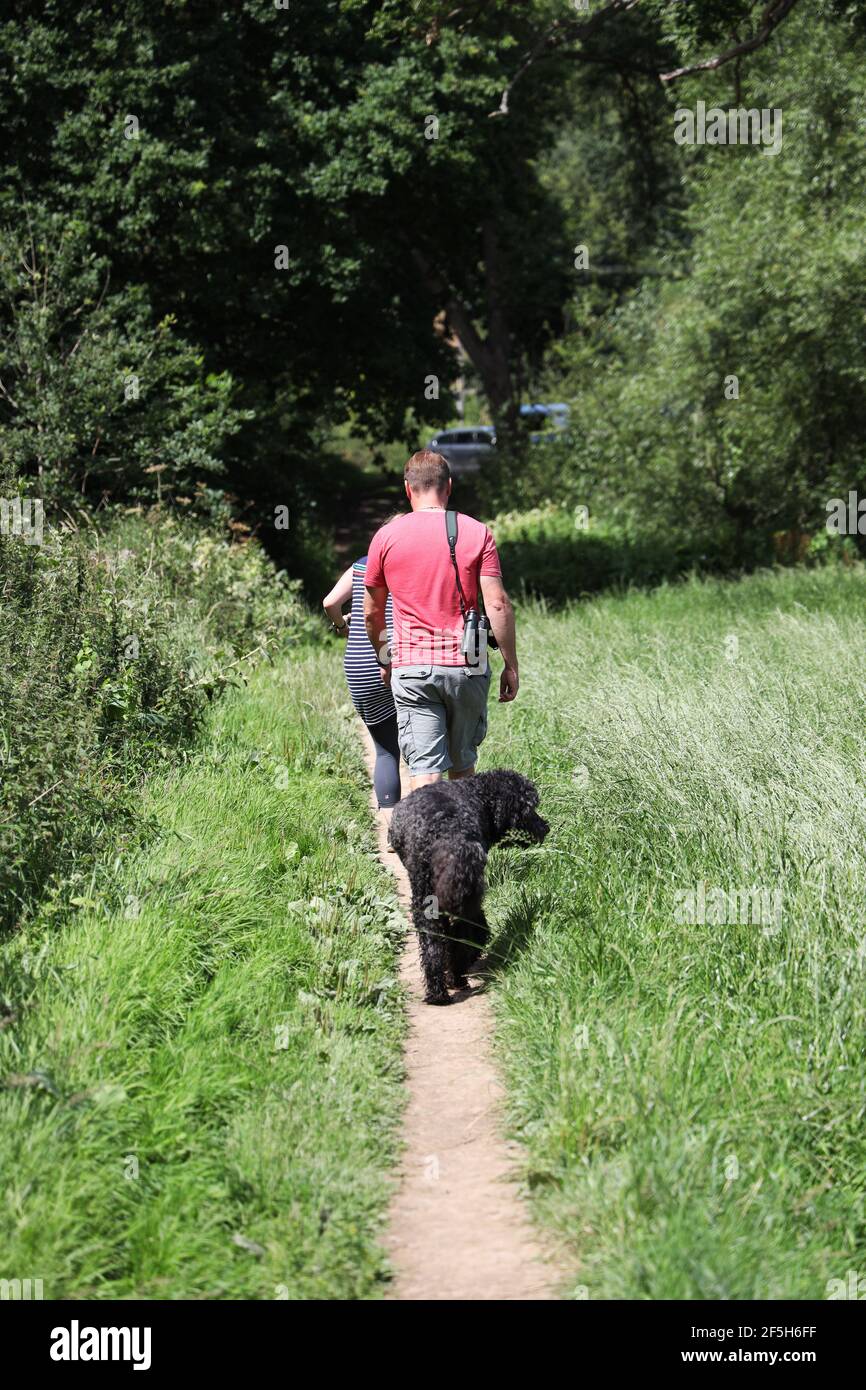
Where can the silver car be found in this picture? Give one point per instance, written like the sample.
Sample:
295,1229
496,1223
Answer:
547,423
465,449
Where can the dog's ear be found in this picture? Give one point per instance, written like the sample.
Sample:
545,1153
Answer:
522,792
530,792
500,801
507,799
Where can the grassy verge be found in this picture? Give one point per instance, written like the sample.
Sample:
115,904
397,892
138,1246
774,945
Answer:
691,1093
201,1071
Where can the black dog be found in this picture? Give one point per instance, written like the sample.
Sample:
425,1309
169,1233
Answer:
442,833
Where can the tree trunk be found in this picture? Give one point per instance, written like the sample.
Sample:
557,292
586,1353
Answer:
489,355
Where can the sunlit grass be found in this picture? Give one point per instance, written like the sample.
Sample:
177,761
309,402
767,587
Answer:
692,1097
201,1072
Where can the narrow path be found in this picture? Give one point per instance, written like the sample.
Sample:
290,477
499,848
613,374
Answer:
458,1228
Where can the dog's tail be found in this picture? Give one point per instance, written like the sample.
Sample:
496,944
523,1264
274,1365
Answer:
458,874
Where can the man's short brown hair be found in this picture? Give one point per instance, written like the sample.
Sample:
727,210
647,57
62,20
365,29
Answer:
427,471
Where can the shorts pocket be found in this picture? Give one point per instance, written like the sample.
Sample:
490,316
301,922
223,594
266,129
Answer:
413,673
405,734
481,729
484,690
409,685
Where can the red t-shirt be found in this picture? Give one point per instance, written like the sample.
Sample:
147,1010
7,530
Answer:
410,557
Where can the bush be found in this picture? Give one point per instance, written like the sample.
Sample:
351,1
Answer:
552,553
97,398
112,641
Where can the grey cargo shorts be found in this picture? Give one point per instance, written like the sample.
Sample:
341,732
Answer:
441,716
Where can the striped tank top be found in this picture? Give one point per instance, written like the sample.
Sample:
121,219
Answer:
373,700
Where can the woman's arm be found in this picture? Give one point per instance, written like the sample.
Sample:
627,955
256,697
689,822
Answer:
334,601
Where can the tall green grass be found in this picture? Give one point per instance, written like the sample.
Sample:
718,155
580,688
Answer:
200,1074
692,1097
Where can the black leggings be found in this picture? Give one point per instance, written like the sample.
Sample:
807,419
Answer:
386,774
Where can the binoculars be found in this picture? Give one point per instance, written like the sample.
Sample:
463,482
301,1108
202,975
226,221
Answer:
477,636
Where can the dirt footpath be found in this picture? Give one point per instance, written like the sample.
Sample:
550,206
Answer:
458,1227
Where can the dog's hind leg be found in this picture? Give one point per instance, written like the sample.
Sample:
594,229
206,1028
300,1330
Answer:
452,933
433,964
473,933
433,955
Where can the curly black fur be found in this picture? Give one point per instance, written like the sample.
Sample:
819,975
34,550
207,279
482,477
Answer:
442,833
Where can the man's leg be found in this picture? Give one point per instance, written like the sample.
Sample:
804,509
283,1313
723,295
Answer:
421,720
467,719
454,775
425,778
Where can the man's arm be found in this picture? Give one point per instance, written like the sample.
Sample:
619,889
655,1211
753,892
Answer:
501,614
375,600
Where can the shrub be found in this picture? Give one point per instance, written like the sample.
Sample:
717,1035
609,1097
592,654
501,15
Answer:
726,398
112,641
553,553
97,398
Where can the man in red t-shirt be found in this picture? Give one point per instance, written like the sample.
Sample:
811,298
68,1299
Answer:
441,700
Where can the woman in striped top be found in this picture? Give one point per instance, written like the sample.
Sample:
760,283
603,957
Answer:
371,698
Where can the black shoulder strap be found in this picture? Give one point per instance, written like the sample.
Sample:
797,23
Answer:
451,532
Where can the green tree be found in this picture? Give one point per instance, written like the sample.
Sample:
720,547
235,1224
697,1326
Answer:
728,395
309,191
96,398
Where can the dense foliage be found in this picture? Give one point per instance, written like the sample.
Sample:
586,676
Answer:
99,401
112,642
272,215
723,401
